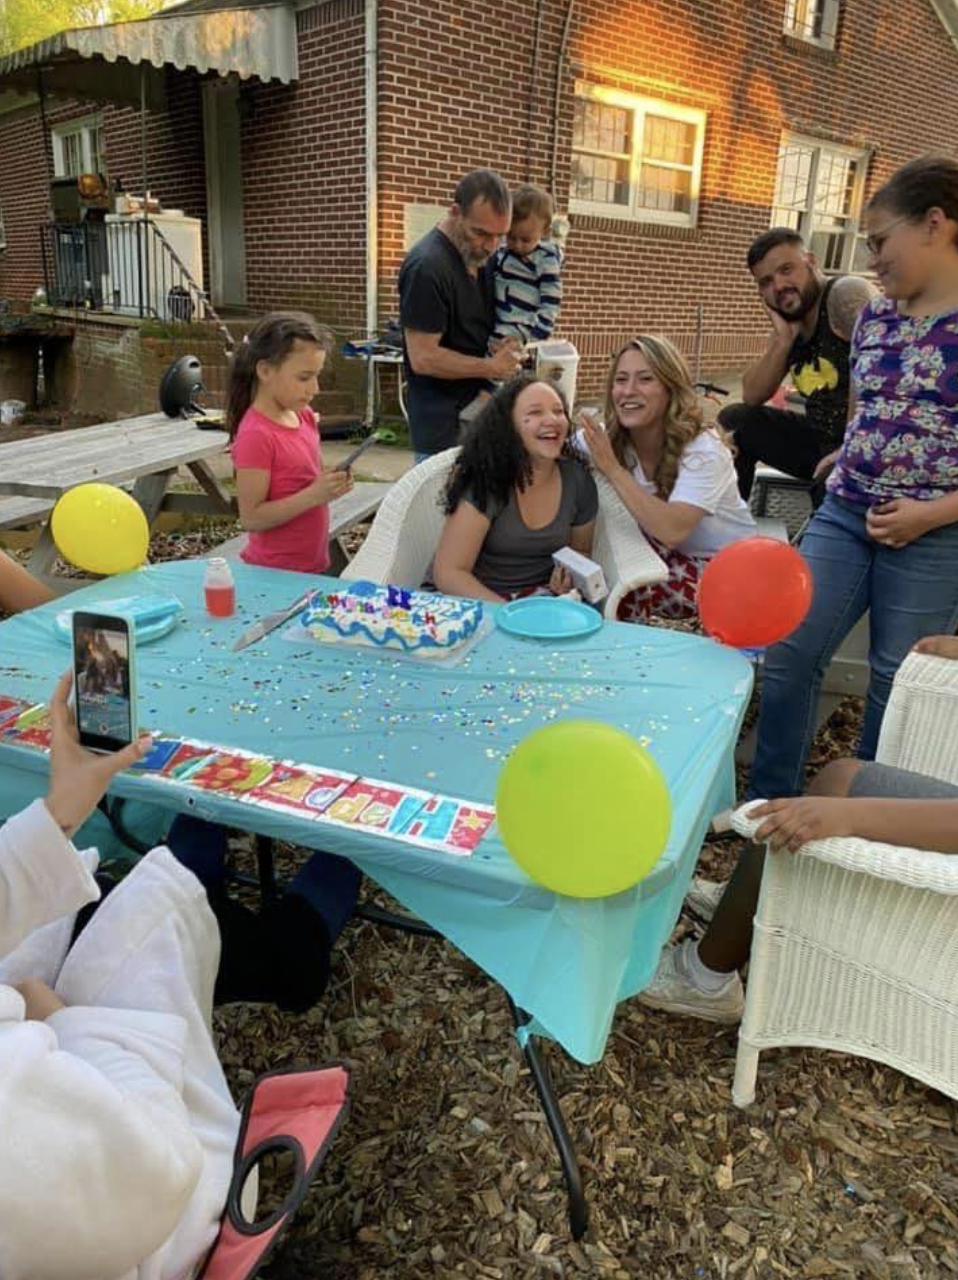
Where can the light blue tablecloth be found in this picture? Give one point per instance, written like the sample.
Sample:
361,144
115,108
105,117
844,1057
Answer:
442,728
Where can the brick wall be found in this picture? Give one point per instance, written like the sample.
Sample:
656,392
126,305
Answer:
462,86
113,370
457,90
176,161
303,150
176,169
24,196
99,373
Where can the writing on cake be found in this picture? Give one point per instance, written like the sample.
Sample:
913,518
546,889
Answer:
392,618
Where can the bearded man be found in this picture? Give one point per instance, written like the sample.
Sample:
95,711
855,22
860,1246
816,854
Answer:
446,308
812,321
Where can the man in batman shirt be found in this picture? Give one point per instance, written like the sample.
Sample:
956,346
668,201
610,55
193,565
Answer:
812,321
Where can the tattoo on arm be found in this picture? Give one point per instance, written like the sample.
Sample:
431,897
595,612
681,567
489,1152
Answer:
845,301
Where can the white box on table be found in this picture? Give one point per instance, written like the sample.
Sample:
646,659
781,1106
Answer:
587,576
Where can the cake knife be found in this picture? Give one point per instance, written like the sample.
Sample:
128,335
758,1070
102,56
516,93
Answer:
271,622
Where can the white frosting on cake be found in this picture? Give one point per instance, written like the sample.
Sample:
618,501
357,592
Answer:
392,618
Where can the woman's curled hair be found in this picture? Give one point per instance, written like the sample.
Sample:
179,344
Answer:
493,460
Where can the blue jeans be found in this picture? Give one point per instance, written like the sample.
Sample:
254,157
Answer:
911,592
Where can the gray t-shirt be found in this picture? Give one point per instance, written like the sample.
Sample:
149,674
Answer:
515,557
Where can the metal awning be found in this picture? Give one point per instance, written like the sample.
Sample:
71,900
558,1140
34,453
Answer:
115,62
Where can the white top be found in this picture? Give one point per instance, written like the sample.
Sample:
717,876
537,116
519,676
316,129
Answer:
706,480
118,1127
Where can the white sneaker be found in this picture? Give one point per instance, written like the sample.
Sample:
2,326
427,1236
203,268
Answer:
674,991
703,897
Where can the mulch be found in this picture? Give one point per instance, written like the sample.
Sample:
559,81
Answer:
445,1166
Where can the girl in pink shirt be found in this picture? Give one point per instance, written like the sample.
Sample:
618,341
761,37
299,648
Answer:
282,490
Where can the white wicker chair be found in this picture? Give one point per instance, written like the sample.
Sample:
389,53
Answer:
856,943
405,533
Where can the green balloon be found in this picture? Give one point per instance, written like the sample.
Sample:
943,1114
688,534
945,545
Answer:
583,809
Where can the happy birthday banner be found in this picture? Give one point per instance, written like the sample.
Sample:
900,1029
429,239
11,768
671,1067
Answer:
439,822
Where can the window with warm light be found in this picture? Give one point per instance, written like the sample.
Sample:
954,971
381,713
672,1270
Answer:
818,191
813,20
635,158
78,148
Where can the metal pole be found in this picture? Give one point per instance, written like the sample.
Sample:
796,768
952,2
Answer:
557,96
144,258
371,98
45,130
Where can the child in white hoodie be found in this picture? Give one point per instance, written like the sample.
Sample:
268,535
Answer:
117,1125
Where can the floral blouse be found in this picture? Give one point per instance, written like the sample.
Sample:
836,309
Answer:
903,439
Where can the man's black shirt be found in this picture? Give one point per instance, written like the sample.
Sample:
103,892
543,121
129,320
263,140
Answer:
438,295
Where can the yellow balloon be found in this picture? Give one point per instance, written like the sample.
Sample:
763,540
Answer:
583,809
100,529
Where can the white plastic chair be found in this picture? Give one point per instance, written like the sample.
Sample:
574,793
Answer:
405,533
856,943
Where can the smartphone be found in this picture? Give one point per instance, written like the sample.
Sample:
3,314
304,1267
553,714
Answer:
360,449
104,688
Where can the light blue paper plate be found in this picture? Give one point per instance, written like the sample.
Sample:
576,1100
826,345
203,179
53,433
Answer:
548,618
153,616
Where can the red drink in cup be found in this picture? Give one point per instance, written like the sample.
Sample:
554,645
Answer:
219,588
221,601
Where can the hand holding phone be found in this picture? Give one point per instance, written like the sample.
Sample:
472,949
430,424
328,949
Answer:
77,778
360,449
103,679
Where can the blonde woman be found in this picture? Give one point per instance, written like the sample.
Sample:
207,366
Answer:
673,473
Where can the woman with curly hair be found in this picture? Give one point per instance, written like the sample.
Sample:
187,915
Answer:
673,473
517,494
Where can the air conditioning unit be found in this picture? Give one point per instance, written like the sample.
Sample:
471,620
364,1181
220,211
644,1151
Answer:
142,277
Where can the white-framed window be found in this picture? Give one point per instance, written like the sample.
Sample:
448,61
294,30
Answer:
818,191
635,158
813,20
78,147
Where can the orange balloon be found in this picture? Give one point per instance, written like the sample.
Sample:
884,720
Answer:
754,593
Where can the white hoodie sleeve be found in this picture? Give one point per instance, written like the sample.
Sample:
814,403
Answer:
42,877
99,1157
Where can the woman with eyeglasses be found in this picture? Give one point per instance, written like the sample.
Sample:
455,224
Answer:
885,540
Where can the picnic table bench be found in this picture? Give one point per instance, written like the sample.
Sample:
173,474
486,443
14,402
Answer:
345,513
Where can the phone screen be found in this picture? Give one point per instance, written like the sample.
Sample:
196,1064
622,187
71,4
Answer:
103,680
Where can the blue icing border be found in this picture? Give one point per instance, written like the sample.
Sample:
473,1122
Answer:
472,611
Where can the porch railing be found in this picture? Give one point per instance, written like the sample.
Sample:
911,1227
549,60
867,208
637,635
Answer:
125,267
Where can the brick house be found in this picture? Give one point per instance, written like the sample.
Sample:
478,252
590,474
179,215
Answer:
315,147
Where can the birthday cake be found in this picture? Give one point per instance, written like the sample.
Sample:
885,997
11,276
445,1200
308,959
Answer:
415,622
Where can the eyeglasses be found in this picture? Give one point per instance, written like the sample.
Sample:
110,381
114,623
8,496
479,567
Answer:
875,242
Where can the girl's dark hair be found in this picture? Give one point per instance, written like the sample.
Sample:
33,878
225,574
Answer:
270,339
930,182
493,460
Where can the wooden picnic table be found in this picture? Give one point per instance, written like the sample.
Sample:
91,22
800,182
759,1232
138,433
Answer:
146,450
